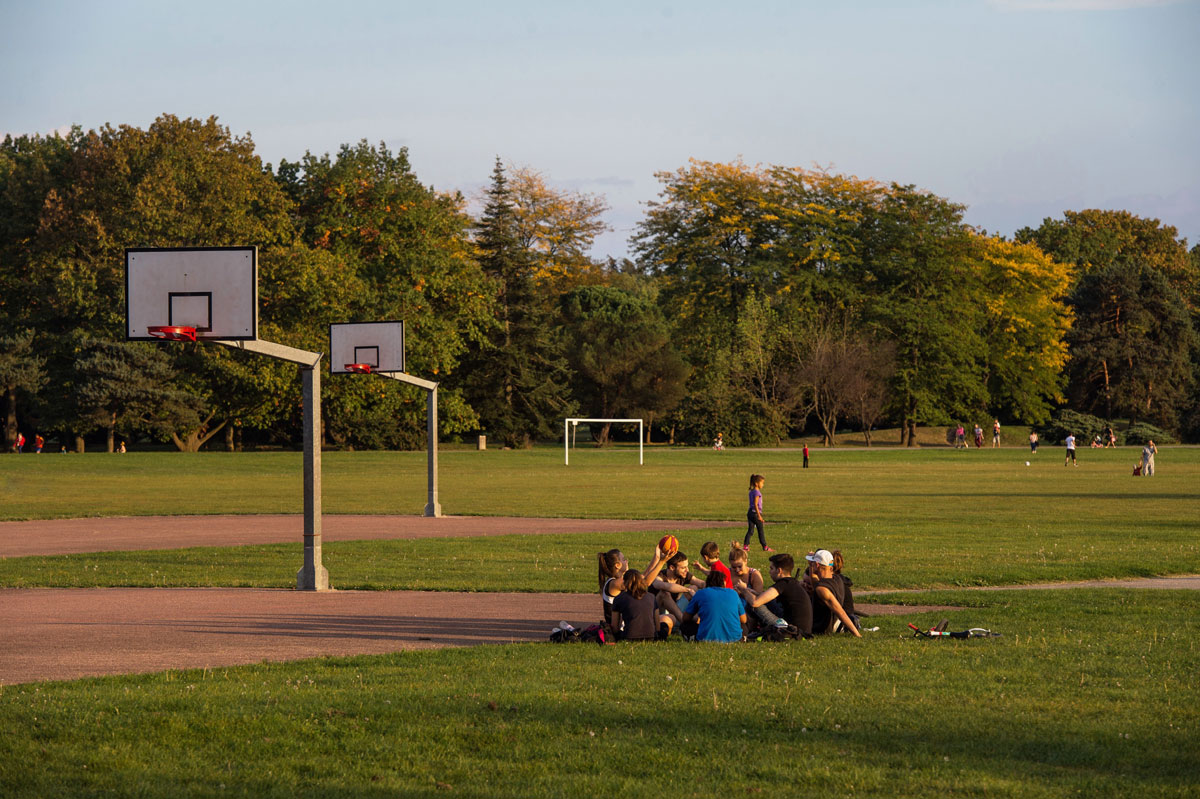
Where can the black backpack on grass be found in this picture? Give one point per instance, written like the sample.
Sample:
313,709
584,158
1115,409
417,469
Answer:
595,634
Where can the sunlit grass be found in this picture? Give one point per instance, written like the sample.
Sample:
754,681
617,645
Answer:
1087,693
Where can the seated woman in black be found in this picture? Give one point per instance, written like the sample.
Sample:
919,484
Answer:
634,612
827,593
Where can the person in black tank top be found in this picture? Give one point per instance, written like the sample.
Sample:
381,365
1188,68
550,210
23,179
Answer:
827,593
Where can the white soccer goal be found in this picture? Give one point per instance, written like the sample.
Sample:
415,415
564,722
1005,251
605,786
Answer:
570,426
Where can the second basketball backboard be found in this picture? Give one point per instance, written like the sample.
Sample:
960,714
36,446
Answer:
377,345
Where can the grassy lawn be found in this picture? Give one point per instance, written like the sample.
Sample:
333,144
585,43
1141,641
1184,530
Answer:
903,518
966,490
553,563
1088,693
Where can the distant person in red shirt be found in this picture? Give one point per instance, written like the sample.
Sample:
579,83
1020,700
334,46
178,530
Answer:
806,456
710,554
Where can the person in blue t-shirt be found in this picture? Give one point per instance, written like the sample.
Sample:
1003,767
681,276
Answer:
719,609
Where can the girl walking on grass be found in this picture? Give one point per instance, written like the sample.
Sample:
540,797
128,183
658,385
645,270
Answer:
754,517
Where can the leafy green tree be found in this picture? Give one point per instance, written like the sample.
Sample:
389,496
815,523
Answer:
1131,345
925,298
1095,239
622,356
518,381
32,168
21,369
385,247
765,370
181,182
130,386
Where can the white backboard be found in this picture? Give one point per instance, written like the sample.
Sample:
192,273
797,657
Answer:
213,289
380,345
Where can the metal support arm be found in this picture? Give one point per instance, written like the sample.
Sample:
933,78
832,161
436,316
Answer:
432,507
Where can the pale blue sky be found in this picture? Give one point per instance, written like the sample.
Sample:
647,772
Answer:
1019,109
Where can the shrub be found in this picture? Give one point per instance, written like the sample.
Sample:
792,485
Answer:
1141,432
1064,421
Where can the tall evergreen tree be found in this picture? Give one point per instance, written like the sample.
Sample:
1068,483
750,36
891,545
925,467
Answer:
518,380
130,387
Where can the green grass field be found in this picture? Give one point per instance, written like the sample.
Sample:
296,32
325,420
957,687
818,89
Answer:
903,518
1089,692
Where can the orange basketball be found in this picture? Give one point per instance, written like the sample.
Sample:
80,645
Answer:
669,545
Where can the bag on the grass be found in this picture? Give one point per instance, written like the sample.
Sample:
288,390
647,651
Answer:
569,635
773,634
596,634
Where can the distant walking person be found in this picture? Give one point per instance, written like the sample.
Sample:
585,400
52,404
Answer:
38,443
978,437
996,433
1070,450
960,438
754,517
806,456
19,444
1033,443
1148,453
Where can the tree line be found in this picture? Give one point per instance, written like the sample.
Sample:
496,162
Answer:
760,301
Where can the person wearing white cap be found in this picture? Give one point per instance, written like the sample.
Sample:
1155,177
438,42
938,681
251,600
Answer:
828,594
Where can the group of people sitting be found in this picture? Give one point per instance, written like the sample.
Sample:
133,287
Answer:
722,602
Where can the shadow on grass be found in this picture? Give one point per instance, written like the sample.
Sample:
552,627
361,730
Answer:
436,630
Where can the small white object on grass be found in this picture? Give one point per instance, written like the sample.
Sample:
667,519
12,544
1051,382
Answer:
1026,463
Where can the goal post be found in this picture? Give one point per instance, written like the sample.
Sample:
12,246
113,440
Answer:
570,425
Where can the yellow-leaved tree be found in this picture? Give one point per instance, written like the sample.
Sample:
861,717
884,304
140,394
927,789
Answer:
556,229
1025,322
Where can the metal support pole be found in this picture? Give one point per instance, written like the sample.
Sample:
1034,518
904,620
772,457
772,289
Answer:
313,577
432,507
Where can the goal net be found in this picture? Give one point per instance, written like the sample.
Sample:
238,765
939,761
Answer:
570,427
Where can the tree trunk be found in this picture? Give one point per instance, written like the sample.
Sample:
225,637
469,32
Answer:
229,438
193,440
1107,392
671,435
830,428
912,432
79,444
604,431
10,421
112,433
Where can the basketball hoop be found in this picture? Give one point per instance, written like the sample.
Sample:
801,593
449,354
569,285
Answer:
171,333
360,368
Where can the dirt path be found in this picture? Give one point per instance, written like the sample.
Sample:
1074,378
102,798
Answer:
1189,582
126,533
61,634
65,634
